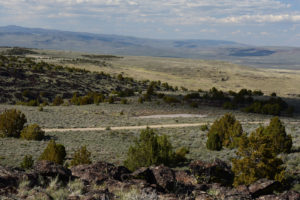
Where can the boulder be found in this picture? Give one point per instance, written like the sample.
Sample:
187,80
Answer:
164,177
185,177
37,194
98,195
50,169
144,173
204,196
9,180
288,195
212,172
263,187
239,193
99,172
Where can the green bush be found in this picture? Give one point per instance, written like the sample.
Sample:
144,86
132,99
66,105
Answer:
111,100
11,123
170,99
256,160
194,105
258,93
214,142
204,127
180,155
228,129
81,156
27,162
141,100
228,105
32,132
124,101
151,149
41,109
281,142
54,152
57,101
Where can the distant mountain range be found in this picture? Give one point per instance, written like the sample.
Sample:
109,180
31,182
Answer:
105,44
133,46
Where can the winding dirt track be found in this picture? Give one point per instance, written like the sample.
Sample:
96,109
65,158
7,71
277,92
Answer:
145,126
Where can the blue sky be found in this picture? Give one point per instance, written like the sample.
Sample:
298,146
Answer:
258,22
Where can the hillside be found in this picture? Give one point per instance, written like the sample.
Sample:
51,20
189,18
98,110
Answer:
189,73
23,79
262,57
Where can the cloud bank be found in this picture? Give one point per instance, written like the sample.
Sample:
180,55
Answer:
156,18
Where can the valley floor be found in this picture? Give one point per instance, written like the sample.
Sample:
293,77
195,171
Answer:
109,129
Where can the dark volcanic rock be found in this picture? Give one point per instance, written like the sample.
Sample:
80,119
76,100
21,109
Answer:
215,172
98,195
165,177
53,170
9,180
185,177
99,172
37,194
144,173
289,195
263,187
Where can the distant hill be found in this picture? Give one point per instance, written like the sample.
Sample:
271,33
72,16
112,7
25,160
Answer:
104,44
271,57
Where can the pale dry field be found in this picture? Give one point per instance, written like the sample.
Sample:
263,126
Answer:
190,73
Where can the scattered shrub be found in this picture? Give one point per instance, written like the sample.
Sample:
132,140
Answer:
258,93
151,149
11,123
160,95
229,131
141,100
195,95
81,156
228,105
41,108
257,160
57,101
90,98
126,93
204,127
170,99
32,132
281,142
194,105
54,152
180,155
273,94
150,89
27,162
111,100
124,101
245,92
214,142
274,106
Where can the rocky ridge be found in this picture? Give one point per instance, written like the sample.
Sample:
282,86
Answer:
101,180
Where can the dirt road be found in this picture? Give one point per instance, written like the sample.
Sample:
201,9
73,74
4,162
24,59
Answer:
145,126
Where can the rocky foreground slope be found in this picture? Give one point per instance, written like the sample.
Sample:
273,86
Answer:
107,181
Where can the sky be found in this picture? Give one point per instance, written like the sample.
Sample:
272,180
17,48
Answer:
256,22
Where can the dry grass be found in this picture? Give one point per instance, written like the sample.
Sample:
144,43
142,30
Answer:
112,146
191,73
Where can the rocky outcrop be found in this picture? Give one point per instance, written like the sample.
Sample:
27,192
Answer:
9,180
263,187
100,172
52,170
106,181
215,172
164,177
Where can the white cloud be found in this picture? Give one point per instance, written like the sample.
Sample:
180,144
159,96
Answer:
173,13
